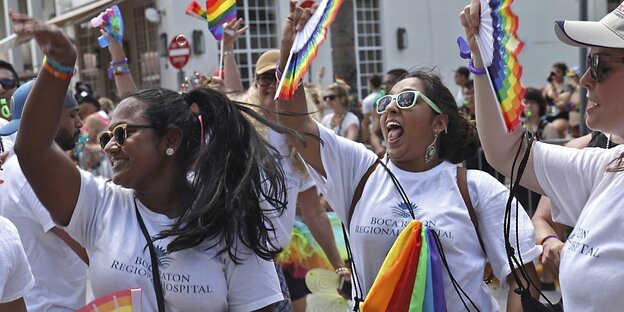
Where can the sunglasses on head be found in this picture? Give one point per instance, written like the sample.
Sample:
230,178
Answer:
405,100
265,80
8,83
330,97
120,133
596,64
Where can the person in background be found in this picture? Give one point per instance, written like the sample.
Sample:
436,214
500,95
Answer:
15,276
343,122
468,108
57,261
368,115
9,81
462,74
535,119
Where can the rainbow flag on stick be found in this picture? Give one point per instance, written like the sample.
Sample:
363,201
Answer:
219,12
500,47
305,47
195,9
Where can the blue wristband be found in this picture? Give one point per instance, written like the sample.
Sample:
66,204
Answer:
474,70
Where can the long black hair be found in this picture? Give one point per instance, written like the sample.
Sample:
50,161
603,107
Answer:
233,173
460,142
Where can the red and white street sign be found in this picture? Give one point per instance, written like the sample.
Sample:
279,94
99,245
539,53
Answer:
179,51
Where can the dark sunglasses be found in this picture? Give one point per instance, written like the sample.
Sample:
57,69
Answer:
120,133
596,64
266,80
405,100
330,97
8,83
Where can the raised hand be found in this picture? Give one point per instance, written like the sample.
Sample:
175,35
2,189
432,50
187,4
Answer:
114,47
232,31
50,38
295,21
470,18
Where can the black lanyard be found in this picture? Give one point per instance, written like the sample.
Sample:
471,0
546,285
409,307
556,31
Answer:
160,299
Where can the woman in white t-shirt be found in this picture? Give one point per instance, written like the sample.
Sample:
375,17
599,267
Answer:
426,139
584,186
213,246
15,275
343,122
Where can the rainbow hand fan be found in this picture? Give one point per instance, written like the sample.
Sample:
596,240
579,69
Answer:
305,47
127,300
195,9
219,12
500,46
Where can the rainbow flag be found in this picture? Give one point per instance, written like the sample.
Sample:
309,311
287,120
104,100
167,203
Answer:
195,9
343,83
500,47
305,47
219,12
127,300
410,279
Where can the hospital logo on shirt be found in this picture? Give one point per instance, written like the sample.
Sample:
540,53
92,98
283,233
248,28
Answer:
401,210
161,254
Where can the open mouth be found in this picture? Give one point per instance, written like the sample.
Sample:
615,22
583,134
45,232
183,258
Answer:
395,131
117,162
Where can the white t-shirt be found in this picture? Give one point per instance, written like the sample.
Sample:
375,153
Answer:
9,140
296,182
459,97
380,216
368,103
15,276
60,273
348,120
195,279
586,196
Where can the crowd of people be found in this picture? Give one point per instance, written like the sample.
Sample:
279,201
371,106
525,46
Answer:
218,197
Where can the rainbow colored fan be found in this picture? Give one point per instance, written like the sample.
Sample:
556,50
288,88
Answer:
305,47
500,47
410,278
127,300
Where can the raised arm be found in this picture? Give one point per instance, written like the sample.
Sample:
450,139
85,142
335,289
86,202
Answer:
295,114
52,175
123,81
499,146
232,80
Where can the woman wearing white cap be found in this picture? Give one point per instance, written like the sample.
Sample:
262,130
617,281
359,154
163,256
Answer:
585,186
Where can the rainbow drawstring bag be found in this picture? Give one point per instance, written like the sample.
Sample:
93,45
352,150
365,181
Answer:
410,278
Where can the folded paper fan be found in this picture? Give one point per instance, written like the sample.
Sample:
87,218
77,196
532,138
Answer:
305,47
321,281
127,300
195,9
500,47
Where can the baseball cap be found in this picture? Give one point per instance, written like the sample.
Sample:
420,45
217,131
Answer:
606,33
17,103
267,61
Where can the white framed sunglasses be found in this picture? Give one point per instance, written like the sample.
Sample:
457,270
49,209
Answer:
405,100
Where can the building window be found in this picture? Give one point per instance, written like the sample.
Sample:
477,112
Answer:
146,37
368,44
89,56
260,16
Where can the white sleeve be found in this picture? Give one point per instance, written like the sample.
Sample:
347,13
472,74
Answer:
345,163
568,175
84,225
326,122
35,209
15,275
367,105
489,198
252,284
351,119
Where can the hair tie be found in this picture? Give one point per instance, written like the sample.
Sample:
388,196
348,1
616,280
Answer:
201,127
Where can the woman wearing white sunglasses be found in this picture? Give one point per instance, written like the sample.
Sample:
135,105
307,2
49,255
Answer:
426,139
584,186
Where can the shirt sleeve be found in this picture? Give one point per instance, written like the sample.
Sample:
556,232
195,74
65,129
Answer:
15,275
345,162
35,209
350,119
489,198
568,176
84,225
252,284
367,105
306,183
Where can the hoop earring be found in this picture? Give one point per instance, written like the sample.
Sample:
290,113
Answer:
169,151
432,150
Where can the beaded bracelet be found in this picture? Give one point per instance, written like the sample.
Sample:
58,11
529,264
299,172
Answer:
57,70
118,70
120,62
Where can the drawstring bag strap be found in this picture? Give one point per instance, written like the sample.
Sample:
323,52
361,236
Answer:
160,299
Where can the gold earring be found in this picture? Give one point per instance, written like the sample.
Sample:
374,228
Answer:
431,149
